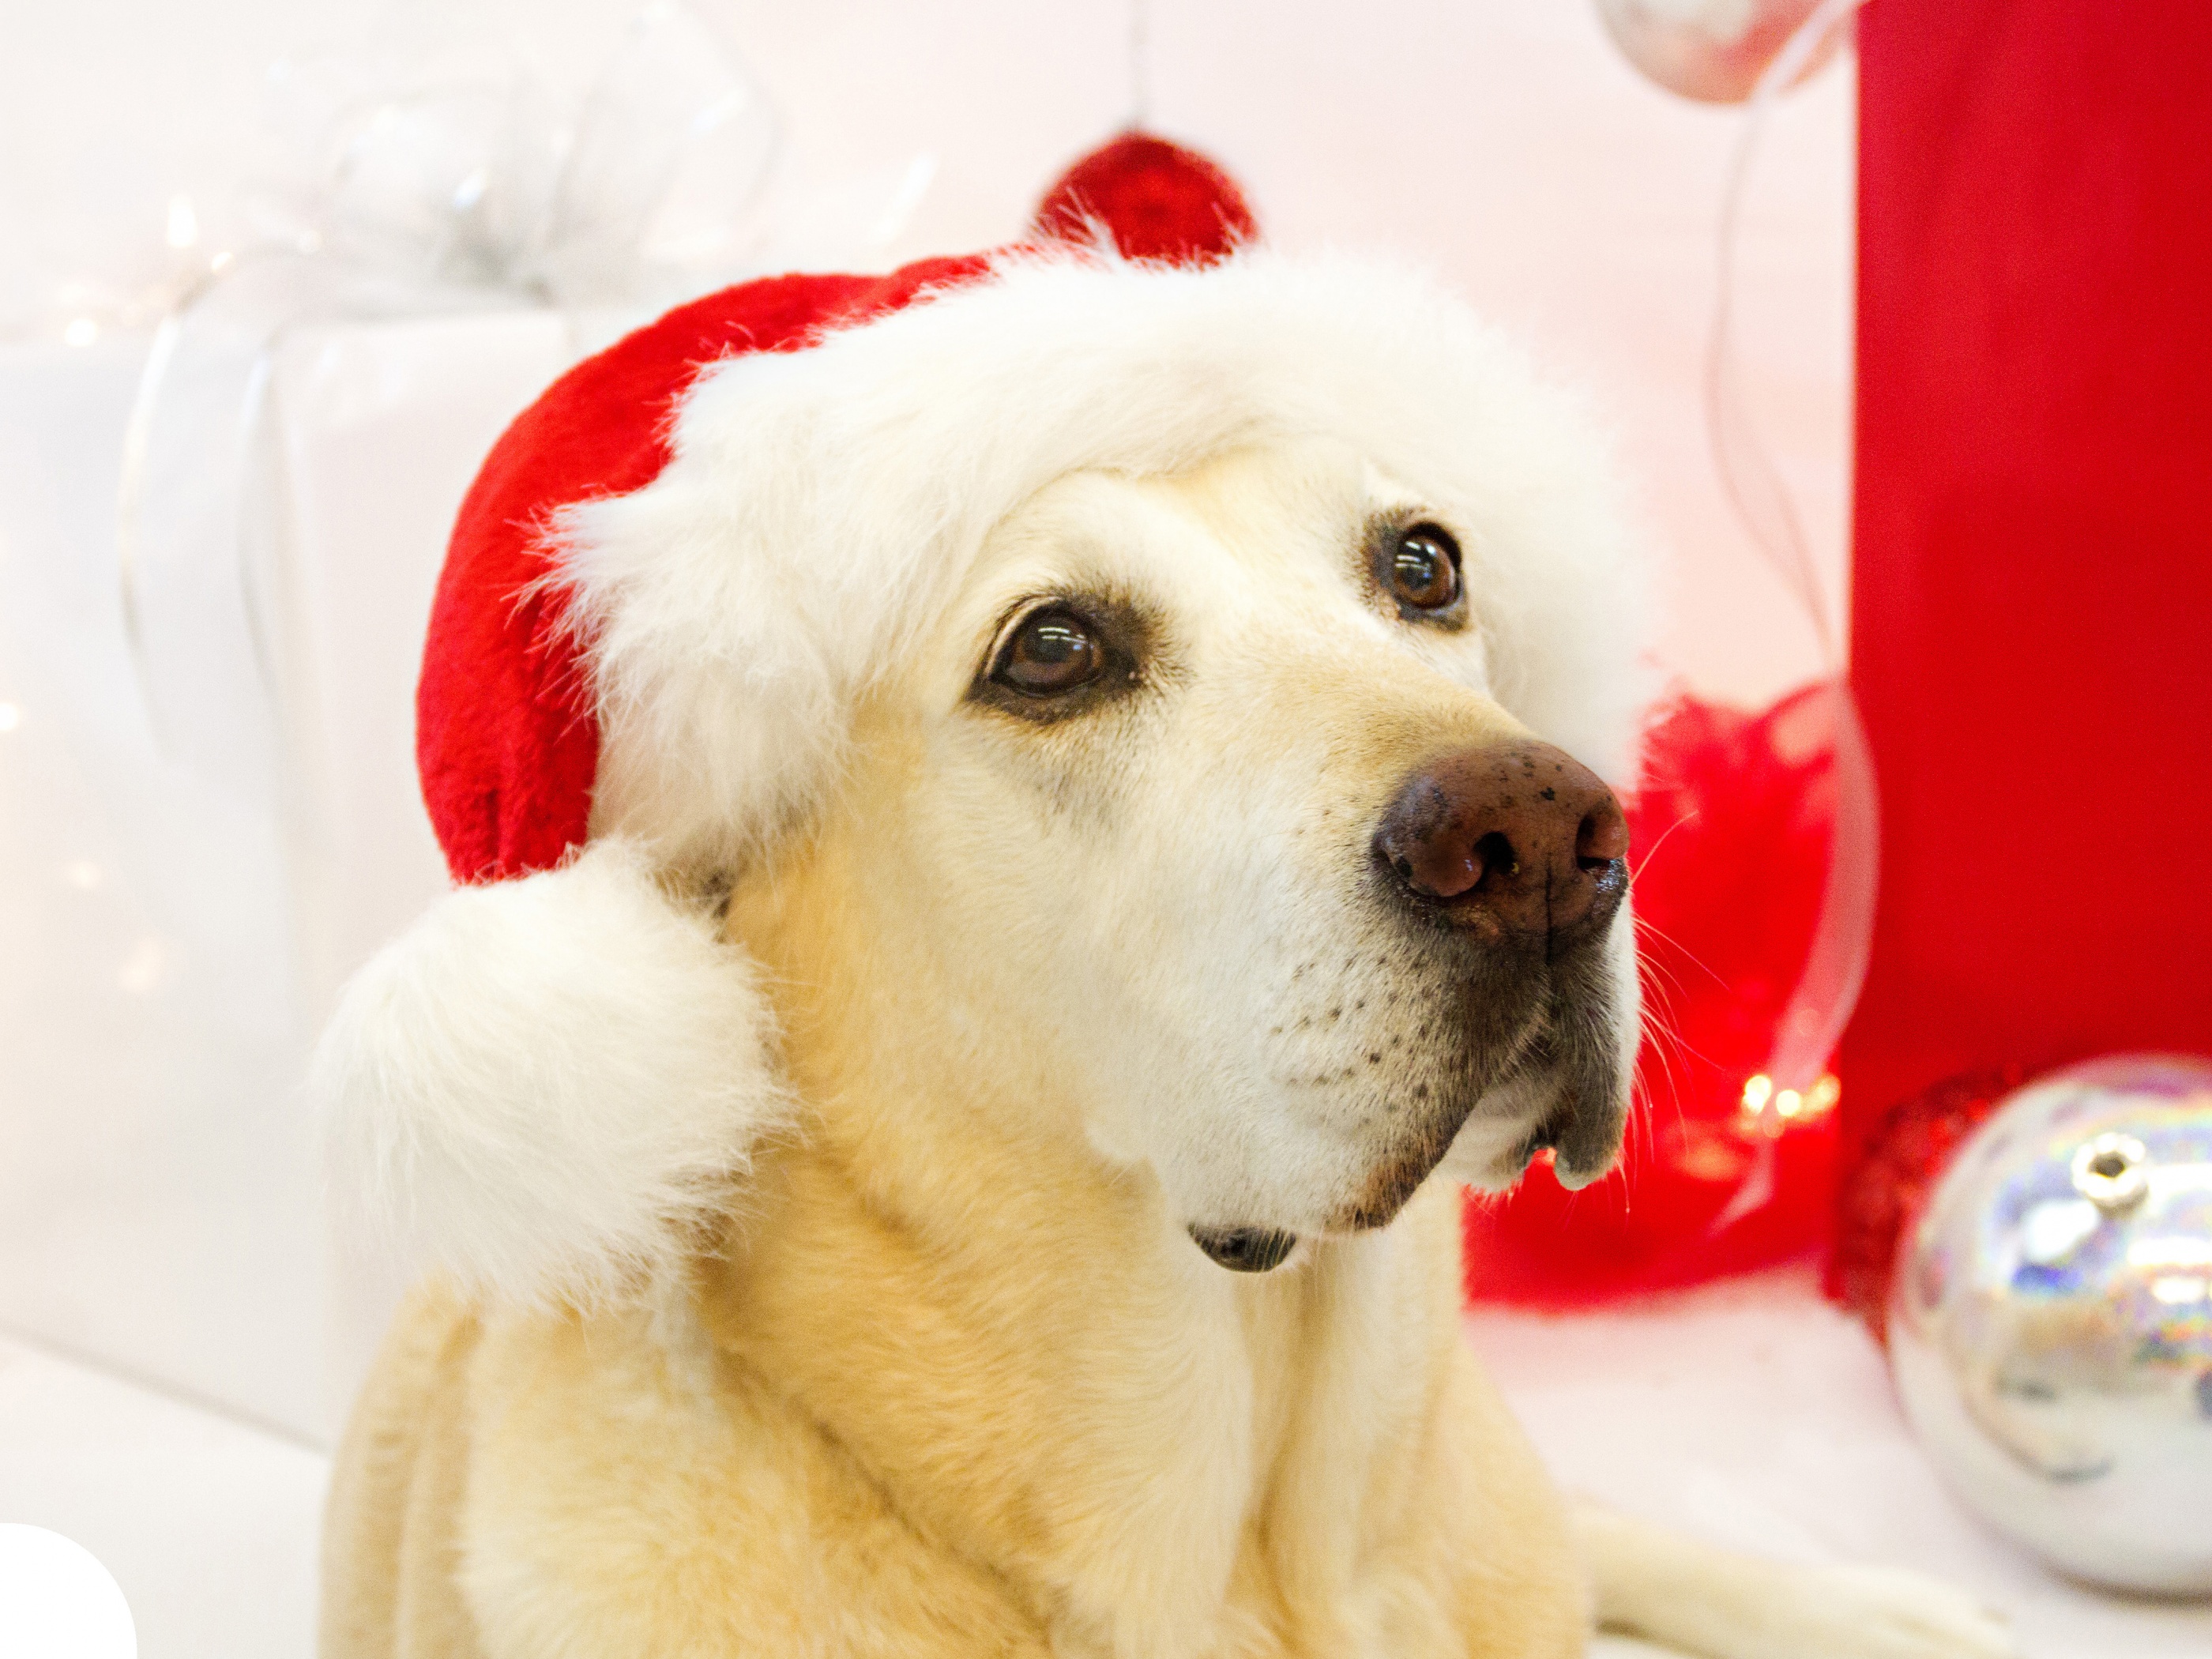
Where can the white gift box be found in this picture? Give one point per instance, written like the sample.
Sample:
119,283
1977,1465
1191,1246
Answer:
174,935
383,428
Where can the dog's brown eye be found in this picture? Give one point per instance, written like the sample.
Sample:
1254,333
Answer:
1425,568
1051,653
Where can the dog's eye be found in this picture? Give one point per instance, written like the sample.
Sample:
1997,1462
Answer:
1051,653
1425,568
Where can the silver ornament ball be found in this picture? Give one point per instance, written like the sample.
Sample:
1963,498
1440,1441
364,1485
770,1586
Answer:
1713,51
2051,1322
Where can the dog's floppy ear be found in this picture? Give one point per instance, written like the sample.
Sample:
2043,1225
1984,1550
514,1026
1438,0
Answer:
549,1085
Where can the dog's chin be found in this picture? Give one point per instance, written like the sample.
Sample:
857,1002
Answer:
1564,1101
1573,1121
1533,1118
1510,1130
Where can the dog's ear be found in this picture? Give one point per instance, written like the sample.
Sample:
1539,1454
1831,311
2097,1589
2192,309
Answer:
549,1086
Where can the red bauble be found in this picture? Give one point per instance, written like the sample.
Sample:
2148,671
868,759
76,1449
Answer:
1156,200
1729,835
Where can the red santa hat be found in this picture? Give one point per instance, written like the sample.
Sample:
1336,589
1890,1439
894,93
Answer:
508,736
677,569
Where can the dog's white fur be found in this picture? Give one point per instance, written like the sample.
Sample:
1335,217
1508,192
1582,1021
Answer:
954,1378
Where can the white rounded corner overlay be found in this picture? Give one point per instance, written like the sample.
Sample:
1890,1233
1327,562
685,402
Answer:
56,1601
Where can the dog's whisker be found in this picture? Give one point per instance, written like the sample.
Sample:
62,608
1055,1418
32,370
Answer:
1637,868
1644,925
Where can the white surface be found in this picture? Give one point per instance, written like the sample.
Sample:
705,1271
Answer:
1759,1417
209,1527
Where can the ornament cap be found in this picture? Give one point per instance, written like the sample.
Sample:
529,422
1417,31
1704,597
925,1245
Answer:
2113,1172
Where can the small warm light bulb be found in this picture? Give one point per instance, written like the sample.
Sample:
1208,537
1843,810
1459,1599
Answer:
1789,1106
141,969
81,331
10,717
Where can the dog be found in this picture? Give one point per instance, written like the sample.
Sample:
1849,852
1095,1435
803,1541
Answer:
1213,870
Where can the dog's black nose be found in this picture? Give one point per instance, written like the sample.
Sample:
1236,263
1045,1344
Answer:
1521,839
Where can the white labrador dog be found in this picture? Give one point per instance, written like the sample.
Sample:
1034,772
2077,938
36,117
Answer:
1188,913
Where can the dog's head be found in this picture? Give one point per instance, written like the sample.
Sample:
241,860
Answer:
1200,786
1214,667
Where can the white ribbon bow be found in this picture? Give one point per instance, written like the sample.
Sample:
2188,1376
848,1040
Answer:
519,160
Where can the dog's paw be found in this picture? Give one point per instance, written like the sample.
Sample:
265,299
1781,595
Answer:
1717,1604
1885,1613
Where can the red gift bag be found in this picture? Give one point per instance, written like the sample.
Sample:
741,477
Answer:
2032,580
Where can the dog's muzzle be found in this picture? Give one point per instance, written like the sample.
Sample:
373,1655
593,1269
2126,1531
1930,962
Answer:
1513,859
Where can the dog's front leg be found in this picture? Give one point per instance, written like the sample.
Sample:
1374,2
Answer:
1652,1583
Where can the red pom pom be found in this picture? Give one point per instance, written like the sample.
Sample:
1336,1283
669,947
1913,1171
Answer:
1891,1172
1158,200
1729,833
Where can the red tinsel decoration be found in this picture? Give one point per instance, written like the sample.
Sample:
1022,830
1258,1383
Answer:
1890,1173
1729,835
